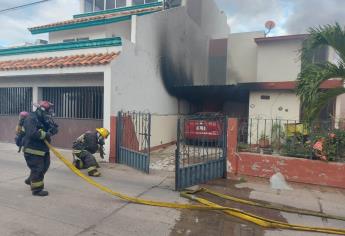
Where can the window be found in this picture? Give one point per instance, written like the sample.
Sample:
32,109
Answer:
15,100
76,102
150,1
110,4
138,2
88,5
265,97
68,40
99,5
120,3
83,39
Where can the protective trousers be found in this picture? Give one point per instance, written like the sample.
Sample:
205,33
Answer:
89,162
38,165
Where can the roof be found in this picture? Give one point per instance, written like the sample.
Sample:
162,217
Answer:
284,37
58,62
52,47
93,20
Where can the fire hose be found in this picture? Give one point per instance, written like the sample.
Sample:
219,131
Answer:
207,205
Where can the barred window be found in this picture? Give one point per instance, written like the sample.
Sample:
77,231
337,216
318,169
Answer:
76,102
15,100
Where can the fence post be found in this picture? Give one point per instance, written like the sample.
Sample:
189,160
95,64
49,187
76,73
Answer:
113,135
232,139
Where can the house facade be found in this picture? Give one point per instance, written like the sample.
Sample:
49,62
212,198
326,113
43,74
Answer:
115,55
267,68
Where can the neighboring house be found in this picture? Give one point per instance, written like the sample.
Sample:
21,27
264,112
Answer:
130,55
267,68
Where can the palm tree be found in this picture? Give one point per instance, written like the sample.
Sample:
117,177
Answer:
312,75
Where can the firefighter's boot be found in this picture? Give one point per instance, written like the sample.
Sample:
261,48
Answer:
92,171
27,181
40,193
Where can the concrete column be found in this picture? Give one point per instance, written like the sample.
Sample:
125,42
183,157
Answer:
134,29
36,95
232,158
128,3
107,108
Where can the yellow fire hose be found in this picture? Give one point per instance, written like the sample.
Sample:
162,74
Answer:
266,205
260,221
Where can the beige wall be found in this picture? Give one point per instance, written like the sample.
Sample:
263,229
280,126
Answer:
282,108
242,63
281,105
163,129
278,60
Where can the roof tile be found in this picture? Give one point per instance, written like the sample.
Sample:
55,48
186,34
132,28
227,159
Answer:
58,62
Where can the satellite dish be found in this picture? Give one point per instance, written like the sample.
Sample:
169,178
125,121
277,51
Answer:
269,25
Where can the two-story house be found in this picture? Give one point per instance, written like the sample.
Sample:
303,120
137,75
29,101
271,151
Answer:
116,54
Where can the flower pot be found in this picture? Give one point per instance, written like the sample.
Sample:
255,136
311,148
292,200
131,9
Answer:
264,143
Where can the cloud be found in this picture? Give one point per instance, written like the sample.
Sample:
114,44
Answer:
291,16
15,23
251,15
312,13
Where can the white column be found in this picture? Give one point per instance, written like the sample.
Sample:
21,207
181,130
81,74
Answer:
82,10
107,108
134,29
36,95
128,3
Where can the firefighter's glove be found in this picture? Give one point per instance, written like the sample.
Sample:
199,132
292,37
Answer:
48,137
53,131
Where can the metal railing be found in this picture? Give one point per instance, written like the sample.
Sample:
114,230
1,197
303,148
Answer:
292,138
15,100
76,102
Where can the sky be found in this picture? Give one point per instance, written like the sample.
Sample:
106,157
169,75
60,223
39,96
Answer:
290,16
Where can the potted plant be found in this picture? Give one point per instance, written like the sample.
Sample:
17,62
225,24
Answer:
264,141
277,137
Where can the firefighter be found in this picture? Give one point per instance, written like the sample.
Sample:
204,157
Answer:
38,127
87,145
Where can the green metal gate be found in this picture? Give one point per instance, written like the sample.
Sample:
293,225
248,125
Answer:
133,135
201,149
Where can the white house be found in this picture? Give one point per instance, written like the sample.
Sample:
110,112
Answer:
117,54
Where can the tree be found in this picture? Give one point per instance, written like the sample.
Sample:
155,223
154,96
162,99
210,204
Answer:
314,99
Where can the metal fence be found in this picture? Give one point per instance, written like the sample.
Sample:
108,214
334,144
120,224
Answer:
201,149
292,138
15,100
133,135
76,102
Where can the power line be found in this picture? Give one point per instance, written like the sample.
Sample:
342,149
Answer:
23,6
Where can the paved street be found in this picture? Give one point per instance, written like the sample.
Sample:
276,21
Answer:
74,208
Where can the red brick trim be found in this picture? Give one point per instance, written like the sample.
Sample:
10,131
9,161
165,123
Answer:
112,152
289,85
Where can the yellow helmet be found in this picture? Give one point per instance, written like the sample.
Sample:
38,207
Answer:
103,132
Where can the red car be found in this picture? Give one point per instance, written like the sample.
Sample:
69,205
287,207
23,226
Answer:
204,127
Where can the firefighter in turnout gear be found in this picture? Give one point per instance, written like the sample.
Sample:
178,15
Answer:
38,127
87,145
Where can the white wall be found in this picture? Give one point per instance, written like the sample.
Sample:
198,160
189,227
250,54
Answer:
137,84
278,60
242,57
163,129
62,80
281,105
